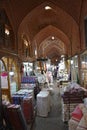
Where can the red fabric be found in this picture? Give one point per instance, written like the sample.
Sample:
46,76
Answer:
77,113
4,74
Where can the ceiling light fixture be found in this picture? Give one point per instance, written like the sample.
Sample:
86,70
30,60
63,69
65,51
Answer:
47,7
52,37
7,31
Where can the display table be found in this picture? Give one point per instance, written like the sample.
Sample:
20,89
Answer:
43,103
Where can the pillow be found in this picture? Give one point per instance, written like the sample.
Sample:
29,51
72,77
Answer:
77,114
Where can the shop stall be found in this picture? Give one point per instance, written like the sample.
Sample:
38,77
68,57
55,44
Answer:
83,71
9,77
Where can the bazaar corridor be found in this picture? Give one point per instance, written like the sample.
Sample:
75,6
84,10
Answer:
54,119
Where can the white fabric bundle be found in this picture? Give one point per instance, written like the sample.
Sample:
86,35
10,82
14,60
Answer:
82,124
73,124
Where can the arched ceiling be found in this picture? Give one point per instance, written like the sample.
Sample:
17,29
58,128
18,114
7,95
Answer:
53,44
21,8
39,25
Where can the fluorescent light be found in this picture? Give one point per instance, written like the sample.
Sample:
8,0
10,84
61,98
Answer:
62,56
76,56
11,73
71,62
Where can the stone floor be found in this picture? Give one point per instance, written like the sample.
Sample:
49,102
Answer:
54,119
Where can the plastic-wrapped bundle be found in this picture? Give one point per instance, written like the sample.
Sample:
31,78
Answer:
28,109
73,124
82,124
77,114
16,117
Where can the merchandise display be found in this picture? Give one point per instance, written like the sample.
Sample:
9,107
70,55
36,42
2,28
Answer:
18,97
27,86
72,96
78,119
82,124
14,117
77,114
28,79
73,124
84,69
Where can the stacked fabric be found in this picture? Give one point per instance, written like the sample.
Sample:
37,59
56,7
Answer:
29,79
72,96
18,97
27,86
14,117
66,110
73,124
82,124
78,119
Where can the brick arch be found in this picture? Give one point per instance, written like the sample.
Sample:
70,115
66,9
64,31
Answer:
38,24
51,31
41,38
37,19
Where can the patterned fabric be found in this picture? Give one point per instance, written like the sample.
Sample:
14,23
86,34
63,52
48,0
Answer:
73,124
82,124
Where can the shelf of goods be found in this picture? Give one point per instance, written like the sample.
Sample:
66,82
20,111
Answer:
28,82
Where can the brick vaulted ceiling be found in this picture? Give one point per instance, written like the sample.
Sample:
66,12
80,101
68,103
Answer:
39,25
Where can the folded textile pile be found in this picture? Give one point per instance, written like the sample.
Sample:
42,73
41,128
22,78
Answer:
14,117
67,109
72,96
74,90
78,119
73,124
